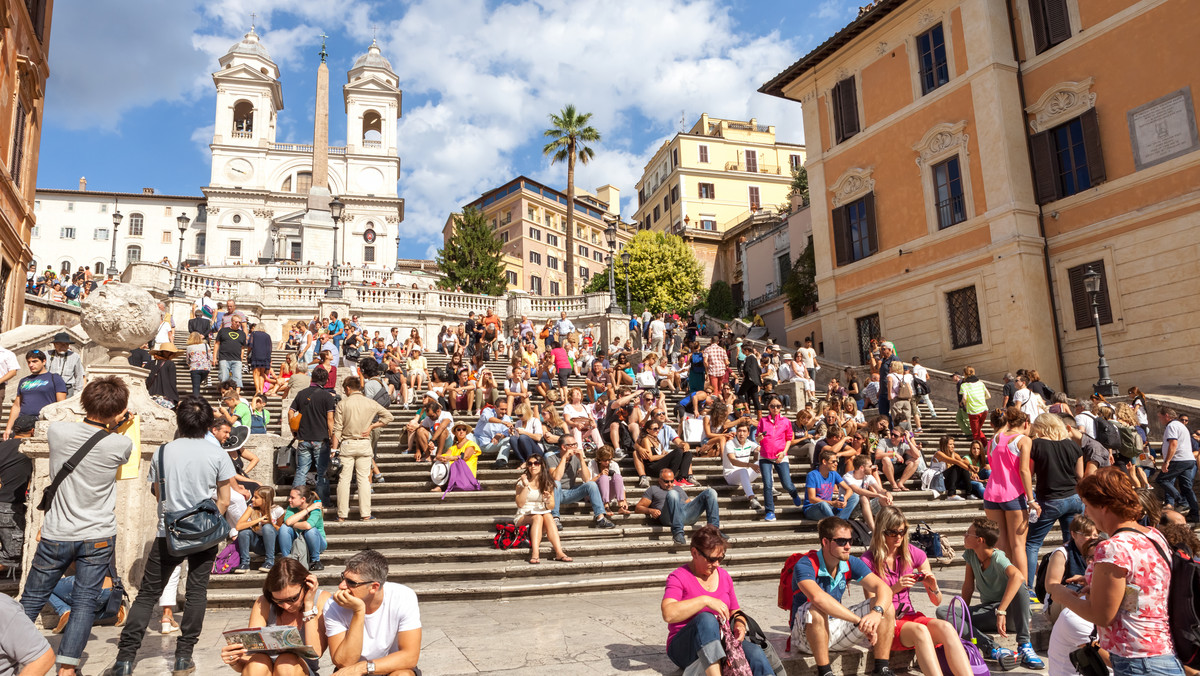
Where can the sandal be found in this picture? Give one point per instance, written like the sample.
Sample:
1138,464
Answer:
564,558
368,518
534,561
624,510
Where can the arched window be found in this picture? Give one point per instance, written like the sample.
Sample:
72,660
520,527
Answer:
98,268
135,225
133,253
201,243
287,185
303,181
243,119
372,130
65,269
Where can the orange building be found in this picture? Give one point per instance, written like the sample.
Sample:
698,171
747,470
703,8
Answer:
971,160
24,51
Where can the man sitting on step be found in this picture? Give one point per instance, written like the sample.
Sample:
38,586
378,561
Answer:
494,432
668,504
373,626
820,622
567,466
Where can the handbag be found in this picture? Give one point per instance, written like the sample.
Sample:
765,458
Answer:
190,530
693,429
1087,661
959,616
928,541
735,662
647,379
68,467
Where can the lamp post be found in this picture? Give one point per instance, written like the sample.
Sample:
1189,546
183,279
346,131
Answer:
112,262
400,213
335,212
1105,385
274,242
625,259
610,233
177,291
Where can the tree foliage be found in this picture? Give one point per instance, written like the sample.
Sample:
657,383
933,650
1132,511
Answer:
569,133
799,184
800,287
720,300
472,258
664,274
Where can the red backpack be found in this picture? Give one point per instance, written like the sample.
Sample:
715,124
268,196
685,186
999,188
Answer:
783,597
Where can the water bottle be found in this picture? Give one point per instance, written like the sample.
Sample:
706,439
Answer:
1033,515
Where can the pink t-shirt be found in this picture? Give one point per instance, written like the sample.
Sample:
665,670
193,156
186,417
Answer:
773,435
561,359
1140,630
902,600
1004,457
683,585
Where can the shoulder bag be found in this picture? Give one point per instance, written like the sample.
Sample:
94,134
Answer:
68,467
190,530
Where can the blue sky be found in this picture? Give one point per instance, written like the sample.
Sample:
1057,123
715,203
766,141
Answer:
130,99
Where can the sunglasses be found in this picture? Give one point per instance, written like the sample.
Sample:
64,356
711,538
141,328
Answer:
279,602
354,584
711,559
842,542
531,462
899,533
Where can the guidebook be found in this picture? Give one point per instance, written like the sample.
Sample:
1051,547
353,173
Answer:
273,639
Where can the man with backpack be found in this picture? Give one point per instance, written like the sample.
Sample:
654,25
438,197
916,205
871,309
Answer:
820,622
1179,464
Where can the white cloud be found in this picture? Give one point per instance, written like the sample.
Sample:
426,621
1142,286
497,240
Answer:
202,137
835,9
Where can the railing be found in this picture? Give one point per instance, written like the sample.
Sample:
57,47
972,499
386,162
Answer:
305,148
771,294
951,211
403,298
759,168
743,126
368,143
761,212
243,134
449,300
553,304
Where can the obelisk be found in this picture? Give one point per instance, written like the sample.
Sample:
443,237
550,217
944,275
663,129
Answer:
318,194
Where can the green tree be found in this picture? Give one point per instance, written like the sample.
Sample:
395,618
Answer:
720,300
801,285
664,274
799,183
569,133
472,258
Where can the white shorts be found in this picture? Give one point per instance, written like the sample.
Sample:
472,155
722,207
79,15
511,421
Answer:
843,635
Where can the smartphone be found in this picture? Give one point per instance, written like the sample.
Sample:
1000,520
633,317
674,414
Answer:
918,576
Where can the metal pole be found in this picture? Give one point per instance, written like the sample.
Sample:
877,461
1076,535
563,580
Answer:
334,290
177,292
613,308
1105,385
628,304
112,262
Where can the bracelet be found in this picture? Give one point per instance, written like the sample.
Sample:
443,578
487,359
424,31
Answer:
311,614
1001,612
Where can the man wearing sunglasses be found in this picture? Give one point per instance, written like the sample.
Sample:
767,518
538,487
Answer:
374,626
820,622
669,505
566,467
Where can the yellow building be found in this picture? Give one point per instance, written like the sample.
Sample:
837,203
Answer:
971,160
24,50
531,220
707,181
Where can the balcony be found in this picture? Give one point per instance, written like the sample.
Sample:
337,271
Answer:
771,294
951,211
305,148
243,134
757,168
368,143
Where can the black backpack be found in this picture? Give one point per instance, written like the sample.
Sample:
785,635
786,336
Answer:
1183,603
1107,434
860,533
1039,584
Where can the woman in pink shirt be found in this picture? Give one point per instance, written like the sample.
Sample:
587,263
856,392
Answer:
775,437
562,365
1008,496
698,599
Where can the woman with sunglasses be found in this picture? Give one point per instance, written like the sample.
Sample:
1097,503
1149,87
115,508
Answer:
535,502
290,598
698,598
901,565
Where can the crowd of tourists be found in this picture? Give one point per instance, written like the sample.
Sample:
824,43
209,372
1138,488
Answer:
1036,458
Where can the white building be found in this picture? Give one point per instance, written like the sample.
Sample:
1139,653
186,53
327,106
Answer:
261,202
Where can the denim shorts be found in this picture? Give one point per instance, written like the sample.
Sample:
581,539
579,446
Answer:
1017,504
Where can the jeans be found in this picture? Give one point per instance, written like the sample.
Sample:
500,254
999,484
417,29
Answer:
262,542
525,447
924,399
1064,511
885,406
230,370
313,539
1159,665
158,569
1178,478
198,379
63,597
676,513
587,489
313,454
700,639
92,559
767,467
502,449
983,618
820,510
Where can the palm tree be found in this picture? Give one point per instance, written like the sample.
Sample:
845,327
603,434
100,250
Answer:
569,133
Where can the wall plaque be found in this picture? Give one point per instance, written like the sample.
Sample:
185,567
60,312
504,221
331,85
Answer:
1163,129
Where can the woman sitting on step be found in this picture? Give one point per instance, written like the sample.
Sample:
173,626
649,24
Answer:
290,598
535,502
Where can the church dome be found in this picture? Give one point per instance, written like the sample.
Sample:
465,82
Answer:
373,59
249,46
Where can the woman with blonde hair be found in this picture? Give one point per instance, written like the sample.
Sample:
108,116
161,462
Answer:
1008,496
1057,464
901,565
199,358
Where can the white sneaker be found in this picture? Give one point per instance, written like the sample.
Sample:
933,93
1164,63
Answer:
956,498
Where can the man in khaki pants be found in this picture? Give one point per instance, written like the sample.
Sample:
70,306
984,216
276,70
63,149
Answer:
353,420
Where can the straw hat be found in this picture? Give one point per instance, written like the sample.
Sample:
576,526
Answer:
167,350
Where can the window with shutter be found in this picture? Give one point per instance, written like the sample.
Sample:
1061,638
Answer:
931,59
1050,23
1068,158
962,309
1045,175
704,154
839,236
755,200
1081,302
18,147
845,110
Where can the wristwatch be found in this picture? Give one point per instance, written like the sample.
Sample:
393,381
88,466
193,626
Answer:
878,609
311,614
370,667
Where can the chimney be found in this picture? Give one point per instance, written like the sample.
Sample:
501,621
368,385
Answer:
147,191
82,183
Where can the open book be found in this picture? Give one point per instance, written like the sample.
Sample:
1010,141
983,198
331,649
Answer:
273,639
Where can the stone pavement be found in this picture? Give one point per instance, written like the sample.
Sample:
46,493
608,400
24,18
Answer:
617,633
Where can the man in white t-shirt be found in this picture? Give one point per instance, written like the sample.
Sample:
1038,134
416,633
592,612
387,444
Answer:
868,487
739,461
1179,464
374,626
921,373
808,357
658,333
1084,418
9,368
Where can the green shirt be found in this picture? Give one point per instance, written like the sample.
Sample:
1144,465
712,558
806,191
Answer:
242,413
316,518
989,583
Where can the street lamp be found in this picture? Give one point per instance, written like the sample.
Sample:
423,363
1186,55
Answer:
400,213
1105,385
335,212
274,242
177,292
610,233
112,262
625,259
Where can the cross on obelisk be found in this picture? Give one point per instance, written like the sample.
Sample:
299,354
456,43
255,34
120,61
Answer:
323,52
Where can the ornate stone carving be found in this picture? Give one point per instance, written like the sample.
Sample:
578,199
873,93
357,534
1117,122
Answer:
851,185
392,219
940,141
926,18
1060,103
120,317
841,74
264,213
809,96
212,211
881,48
